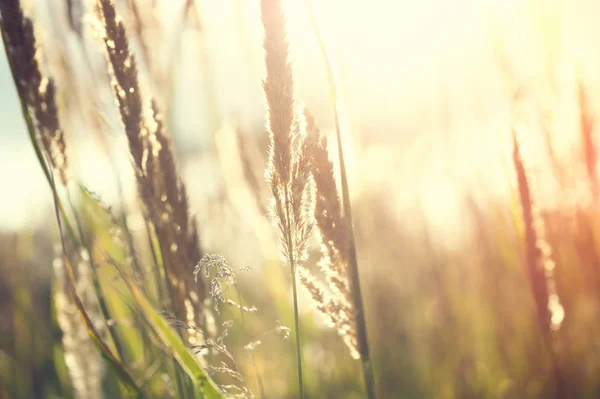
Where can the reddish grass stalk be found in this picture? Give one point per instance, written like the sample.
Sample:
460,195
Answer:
540,268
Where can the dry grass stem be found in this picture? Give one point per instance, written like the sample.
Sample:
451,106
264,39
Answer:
161,189
84,363
288,172
333,234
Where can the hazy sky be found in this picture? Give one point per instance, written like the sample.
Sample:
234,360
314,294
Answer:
425,75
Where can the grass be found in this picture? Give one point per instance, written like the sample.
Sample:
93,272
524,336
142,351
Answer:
136,303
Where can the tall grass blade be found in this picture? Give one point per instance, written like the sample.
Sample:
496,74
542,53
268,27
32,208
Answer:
124,377
353,274
171,339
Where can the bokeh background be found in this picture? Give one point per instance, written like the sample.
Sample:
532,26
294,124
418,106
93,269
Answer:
431,91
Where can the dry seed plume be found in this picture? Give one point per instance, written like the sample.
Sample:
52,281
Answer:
288,172
279,91
125,80
37,92
336,310
328,210
540,265
333,302
176,229
161,189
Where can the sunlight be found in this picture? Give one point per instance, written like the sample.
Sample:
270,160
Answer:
204,241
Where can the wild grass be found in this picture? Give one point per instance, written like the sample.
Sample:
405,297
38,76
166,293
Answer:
354,295
540,266
288,173
132,300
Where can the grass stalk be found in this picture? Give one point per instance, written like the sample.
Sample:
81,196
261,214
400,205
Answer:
100,295
161,299
353,273
49,178
288,172
292,262
297,327
540,268
295,294
116,363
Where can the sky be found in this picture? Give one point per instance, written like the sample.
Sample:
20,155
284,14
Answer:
424,77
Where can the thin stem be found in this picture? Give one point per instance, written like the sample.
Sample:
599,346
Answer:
130,244
164,302
297,324
353,275
40,156
295,293
258,377
128,233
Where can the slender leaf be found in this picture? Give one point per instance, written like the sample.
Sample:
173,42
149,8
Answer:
124,377
170,338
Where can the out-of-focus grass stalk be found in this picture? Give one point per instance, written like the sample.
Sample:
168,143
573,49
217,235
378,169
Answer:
38,151
47,173
124,376
353,274
96,282
540,268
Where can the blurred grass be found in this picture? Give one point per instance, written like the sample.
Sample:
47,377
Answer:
445,323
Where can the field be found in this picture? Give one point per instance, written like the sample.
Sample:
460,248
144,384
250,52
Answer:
299,199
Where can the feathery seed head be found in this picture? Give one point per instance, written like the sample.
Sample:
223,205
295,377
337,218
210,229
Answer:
328,210
125,83
37,92
278,86
336,311
160,186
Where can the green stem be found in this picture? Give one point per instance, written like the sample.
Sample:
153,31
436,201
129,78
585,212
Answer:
128,234
295,293
297,325
164,302
353,274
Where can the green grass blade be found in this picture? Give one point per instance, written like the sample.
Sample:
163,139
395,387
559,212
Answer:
124,377
172,340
